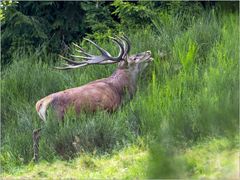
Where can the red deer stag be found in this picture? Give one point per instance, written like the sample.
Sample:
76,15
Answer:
102,94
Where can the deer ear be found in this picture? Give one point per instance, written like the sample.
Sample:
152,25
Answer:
130,62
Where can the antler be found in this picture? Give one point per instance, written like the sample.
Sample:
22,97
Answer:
126,44
105,57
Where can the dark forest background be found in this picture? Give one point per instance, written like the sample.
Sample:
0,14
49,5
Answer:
50,26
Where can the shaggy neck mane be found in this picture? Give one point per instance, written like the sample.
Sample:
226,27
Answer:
121,79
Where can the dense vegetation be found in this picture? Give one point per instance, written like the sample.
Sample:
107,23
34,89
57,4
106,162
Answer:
190,93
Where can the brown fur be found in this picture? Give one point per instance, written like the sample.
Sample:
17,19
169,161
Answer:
103,94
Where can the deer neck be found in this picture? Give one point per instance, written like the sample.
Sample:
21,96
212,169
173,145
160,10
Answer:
124,82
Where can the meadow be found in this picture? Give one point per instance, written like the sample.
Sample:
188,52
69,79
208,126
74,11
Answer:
183,121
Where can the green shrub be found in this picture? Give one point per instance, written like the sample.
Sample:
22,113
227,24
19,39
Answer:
24,83
189,92
197,98
99,132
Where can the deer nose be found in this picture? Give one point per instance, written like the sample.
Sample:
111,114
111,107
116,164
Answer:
149,53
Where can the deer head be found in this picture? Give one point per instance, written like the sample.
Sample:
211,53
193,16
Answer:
134,63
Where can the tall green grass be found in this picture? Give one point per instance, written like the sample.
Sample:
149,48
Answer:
189,92
194,93
28,80
200,99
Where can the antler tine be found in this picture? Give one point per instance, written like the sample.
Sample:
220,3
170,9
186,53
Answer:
78,47
70,61
71,66
120,40
126,43
121,47
82,50
81,57
103,51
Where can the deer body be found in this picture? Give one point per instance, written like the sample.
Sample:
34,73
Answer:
103,94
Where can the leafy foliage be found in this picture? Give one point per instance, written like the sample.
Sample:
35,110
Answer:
50,26
98,17
188,93
131,14
40,27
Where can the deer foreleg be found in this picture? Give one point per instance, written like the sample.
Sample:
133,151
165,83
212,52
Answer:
36,137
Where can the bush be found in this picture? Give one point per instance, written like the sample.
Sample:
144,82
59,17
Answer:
45,27
189,92
190,96
100,133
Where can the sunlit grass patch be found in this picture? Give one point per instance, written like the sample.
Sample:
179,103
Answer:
214,158
211,158
129,162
